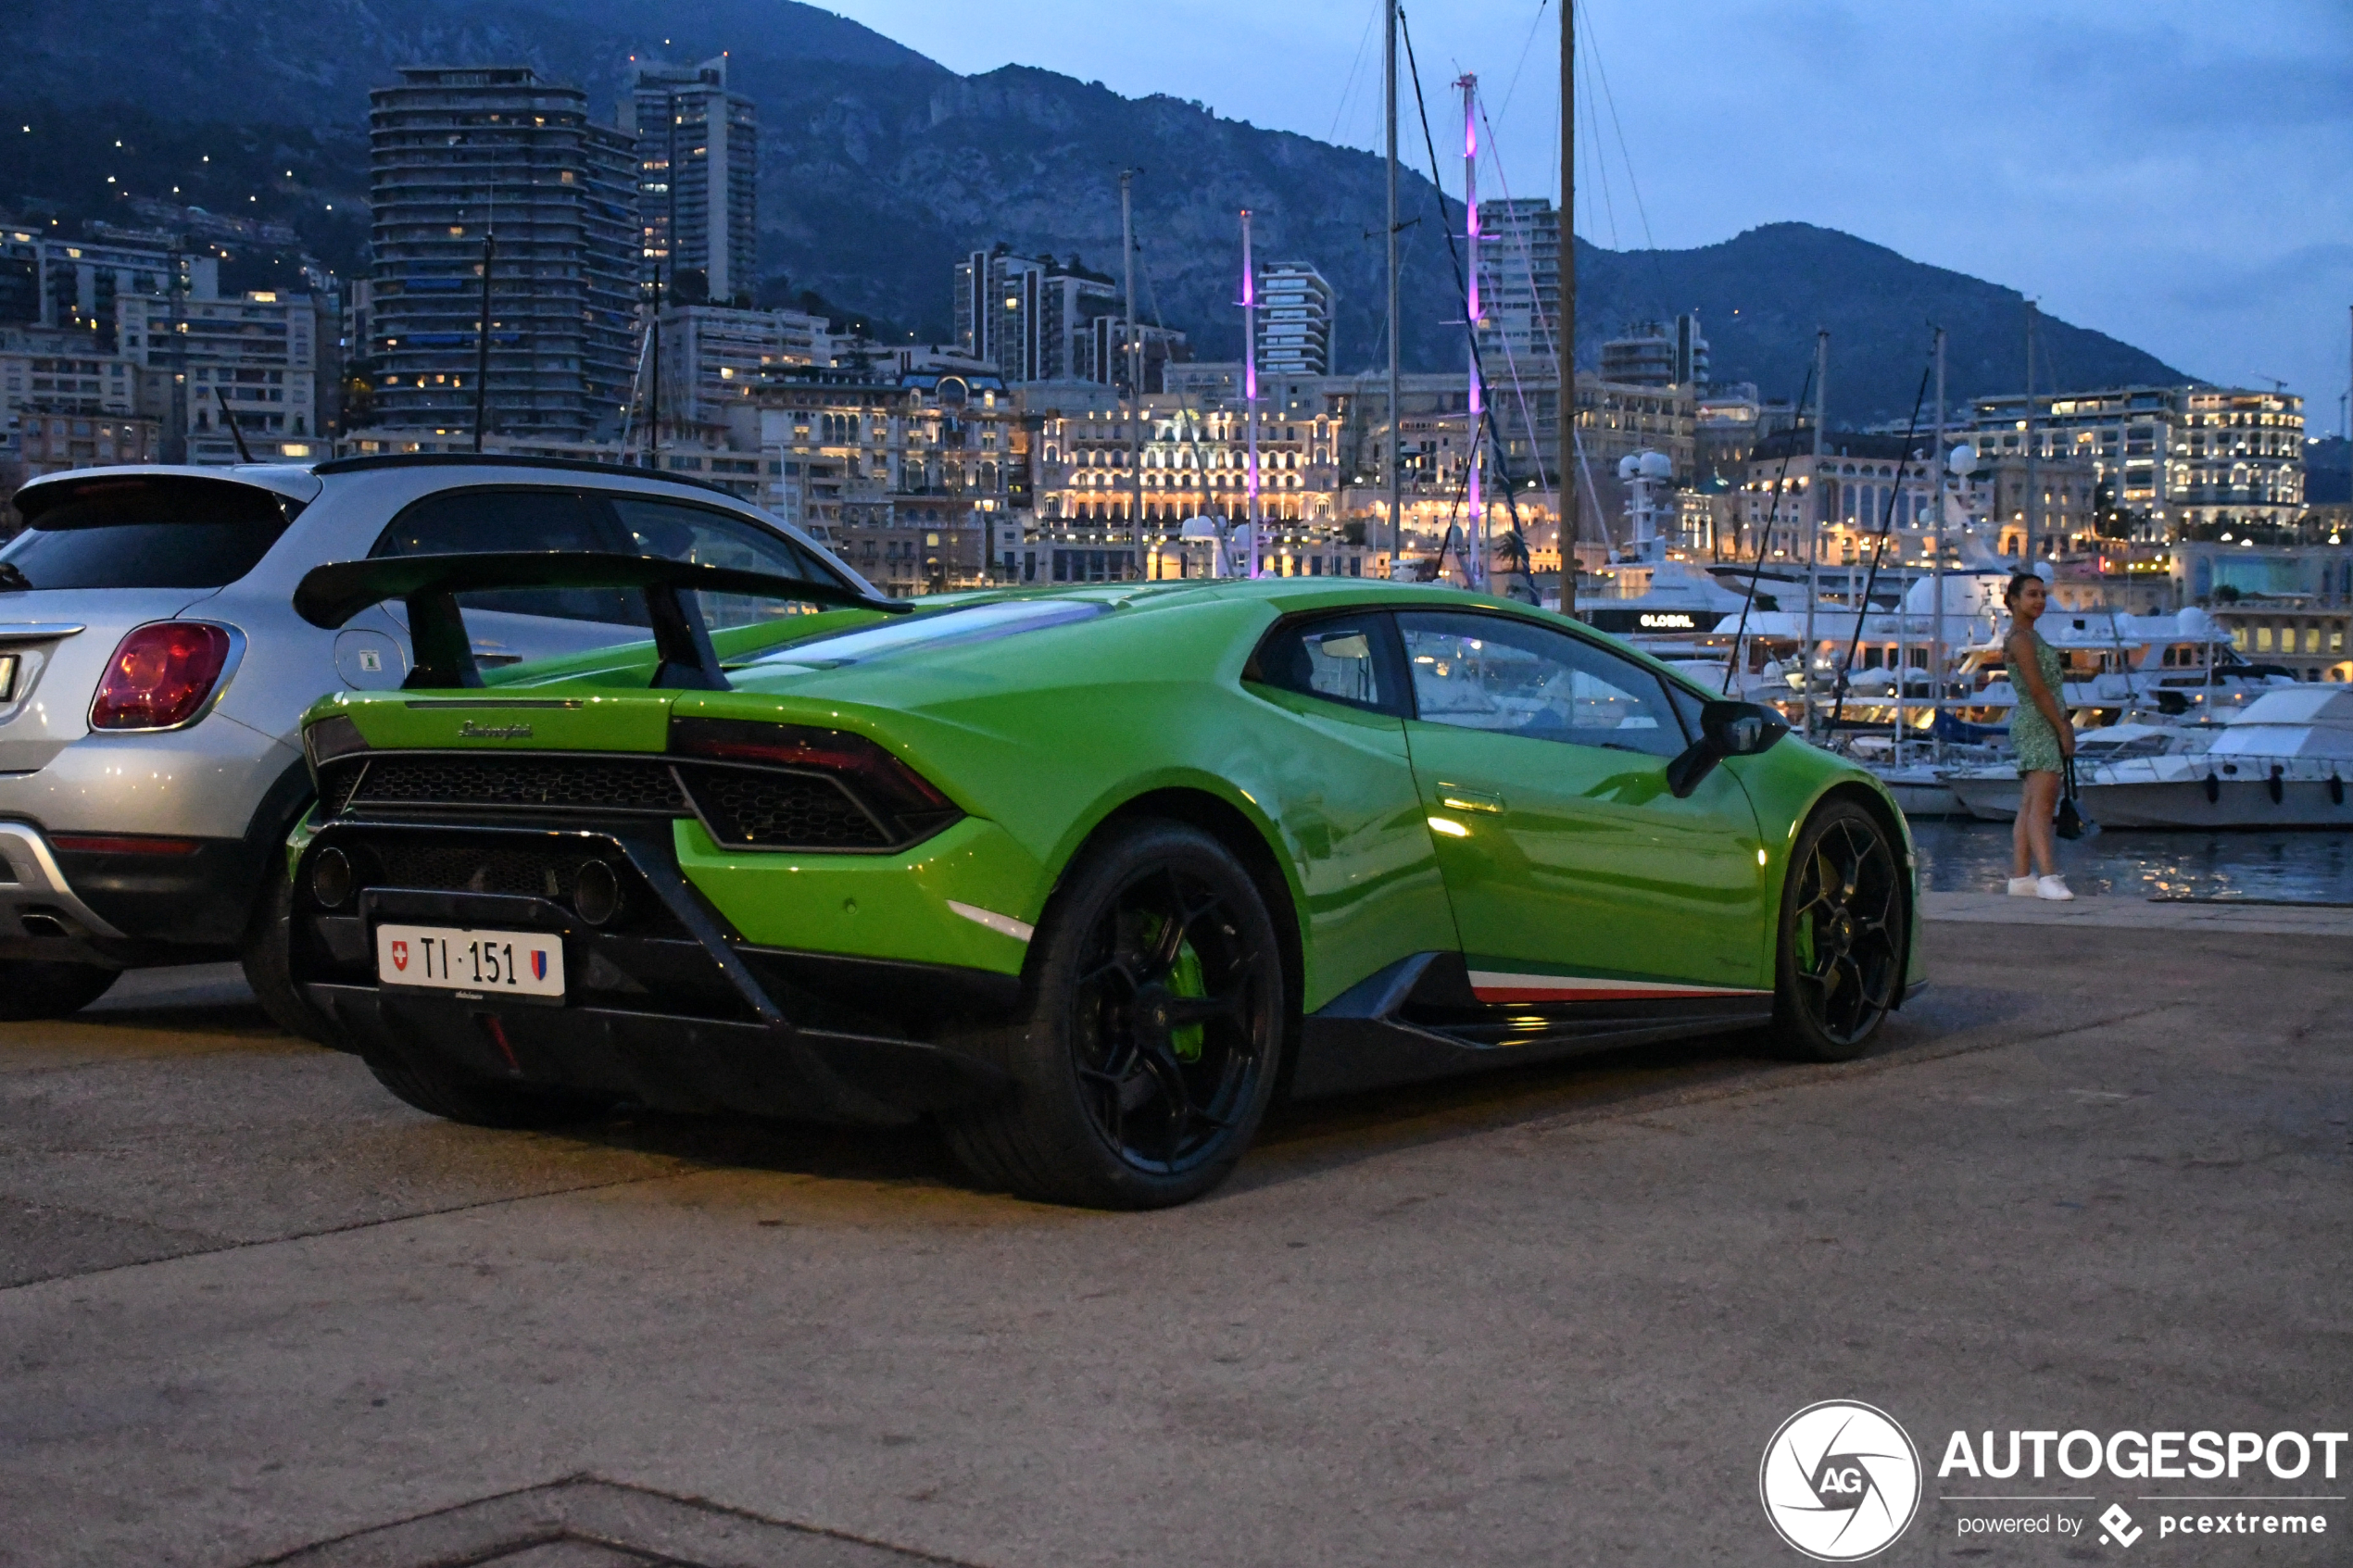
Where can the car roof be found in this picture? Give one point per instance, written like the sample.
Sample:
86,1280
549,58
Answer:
619,471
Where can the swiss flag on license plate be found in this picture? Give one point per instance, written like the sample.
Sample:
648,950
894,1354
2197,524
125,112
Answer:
400,955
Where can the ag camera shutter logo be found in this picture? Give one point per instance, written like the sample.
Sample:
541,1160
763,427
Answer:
1839,1481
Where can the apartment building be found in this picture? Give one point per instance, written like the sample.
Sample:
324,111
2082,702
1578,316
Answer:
264,359
494,162
2182,462
697,148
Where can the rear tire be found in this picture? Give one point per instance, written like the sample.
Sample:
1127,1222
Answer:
1845,915
36,988
1154,1032
455,1095
265,956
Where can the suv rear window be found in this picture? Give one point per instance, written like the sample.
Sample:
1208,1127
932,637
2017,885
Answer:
159,532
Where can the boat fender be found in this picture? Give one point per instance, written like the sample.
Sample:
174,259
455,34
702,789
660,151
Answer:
2214,788
2336,789
2277,789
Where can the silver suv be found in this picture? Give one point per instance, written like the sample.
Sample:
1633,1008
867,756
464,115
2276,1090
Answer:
153,671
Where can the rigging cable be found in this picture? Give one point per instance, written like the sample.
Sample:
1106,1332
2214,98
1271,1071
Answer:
1502,461
1528,259
1772,518
1863,601
1593,51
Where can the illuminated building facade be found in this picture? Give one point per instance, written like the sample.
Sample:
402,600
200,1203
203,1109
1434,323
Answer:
697,148
456,155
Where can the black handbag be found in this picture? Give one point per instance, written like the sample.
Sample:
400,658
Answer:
2072,824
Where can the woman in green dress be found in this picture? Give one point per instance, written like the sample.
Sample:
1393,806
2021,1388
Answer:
2042,738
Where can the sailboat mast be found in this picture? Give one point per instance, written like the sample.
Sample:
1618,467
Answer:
1396,422
1936,571
2033,491
1474,513
1135,360
1564,336
1814,505
1250,388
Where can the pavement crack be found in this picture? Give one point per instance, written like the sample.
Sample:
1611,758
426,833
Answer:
347,1229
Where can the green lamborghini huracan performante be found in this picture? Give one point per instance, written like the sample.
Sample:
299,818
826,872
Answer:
1088,875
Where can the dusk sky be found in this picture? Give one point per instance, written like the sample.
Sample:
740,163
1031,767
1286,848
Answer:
2177,174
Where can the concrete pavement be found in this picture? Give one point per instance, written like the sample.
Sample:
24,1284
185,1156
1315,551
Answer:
2096,1178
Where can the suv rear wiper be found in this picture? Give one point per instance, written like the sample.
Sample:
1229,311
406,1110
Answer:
13,580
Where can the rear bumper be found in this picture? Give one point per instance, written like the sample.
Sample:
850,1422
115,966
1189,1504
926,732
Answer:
770,1068
123,908
41,915
668,1005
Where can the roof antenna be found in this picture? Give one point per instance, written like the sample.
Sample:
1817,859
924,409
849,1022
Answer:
237,432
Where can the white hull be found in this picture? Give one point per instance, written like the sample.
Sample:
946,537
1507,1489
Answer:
1926,799
1991,801
2237,803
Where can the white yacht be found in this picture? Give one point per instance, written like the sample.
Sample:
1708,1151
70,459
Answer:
1989,790
2282,762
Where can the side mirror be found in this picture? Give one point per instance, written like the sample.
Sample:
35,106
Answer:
1726,729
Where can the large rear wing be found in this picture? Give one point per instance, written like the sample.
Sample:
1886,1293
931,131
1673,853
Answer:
329,595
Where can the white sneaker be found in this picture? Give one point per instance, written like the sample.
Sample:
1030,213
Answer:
2053,887
2022,887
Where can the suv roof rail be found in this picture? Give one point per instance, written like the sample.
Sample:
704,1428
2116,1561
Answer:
494,460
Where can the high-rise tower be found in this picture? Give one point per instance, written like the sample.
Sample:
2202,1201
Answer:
465,164
698,177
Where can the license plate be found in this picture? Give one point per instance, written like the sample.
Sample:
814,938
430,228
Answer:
513,963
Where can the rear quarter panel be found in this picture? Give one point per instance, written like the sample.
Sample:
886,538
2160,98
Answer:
1046,734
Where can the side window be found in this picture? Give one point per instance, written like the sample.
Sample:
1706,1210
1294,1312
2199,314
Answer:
1342,658
1512,677
712,538
492,519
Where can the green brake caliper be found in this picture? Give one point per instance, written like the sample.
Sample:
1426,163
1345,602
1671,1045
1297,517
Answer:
1185,979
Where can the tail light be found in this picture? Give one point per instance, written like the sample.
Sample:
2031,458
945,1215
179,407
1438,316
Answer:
161,677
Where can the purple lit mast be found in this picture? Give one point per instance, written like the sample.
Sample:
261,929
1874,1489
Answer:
1475,557
1249,383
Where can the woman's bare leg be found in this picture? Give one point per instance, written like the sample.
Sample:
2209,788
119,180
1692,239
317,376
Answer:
2036,803
2022,845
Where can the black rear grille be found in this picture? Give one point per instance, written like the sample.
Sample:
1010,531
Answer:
564,783
508,864
776,810
521,870
754,807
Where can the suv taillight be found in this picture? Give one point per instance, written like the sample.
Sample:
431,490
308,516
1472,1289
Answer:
160,675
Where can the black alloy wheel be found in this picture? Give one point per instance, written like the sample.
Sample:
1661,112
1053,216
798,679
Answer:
1153,1040
1846,916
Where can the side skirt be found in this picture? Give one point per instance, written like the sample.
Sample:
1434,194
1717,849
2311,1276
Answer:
1420,1019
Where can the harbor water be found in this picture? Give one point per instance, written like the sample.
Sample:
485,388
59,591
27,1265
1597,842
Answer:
1965,855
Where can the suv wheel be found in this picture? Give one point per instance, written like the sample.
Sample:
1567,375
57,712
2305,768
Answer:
34,988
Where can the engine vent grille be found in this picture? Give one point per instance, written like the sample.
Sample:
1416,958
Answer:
776,810
558,781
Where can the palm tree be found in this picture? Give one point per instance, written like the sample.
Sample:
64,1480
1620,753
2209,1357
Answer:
1512,550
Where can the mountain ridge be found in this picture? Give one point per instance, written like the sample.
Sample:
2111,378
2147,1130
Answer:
881,169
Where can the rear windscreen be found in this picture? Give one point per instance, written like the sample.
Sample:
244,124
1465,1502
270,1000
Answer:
165,532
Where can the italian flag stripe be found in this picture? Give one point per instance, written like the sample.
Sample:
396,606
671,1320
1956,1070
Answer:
1491,985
